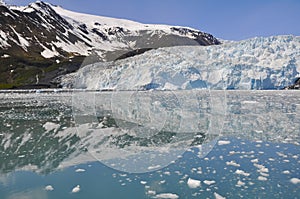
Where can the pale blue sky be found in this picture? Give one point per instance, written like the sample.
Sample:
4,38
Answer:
226,19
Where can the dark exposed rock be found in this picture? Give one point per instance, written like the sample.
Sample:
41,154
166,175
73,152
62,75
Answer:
133,53
295,86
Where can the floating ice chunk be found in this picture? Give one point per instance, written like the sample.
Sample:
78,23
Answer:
49,188
281,155
262,168
262,178
151,192
264,174
167,173
223,142
50,126
154,167
79,170
295,180
209,182
218,196
233,163
76,189
254,160
286,172
143,182
167,196
241,172
192,183
240,183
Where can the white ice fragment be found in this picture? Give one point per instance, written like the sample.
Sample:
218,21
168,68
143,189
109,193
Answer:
167,173
49,188
262,178
261,168
51,126
143,182
286,172
233,163
151,192
218,196
241,172
5,56
209,182
240,183
79,170
223,142
295,180
167,196
192,183
154,167
76,189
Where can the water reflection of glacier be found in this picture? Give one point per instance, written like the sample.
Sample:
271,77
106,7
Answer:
136,131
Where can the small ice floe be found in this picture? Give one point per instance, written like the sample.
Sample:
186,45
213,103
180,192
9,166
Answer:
49,126
261,168
151,192
262,178
233,163
49,188
223,142
192,183
240,183
79,170
154,167
143,182
281,155
209,182
218,196
167,173
254,160
295,180
76,189
241,172
167,196
286,172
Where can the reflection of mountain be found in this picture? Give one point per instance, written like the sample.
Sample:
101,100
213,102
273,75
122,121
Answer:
39,133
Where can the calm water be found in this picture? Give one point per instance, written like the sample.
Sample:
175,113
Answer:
183,144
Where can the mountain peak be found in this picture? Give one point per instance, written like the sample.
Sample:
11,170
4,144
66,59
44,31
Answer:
57,40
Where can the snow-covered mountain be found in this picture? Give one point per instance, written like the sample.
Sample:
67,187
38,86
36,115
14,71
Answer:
41,38
258,63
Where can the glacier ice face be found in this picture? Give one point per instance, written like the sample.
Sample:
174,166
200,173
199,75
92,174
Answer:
257,63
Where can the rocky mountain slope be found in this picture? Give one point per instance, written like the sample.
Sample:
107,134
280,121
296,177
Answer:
40,41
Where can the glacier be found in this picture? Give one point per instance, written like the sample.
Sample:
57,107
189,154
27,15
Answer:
253,64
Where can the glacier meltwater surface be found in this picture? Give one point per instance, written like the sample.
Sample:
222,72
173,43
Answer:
258,63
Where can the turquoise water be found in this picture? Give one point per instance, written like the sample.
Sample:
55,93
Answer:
244,145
